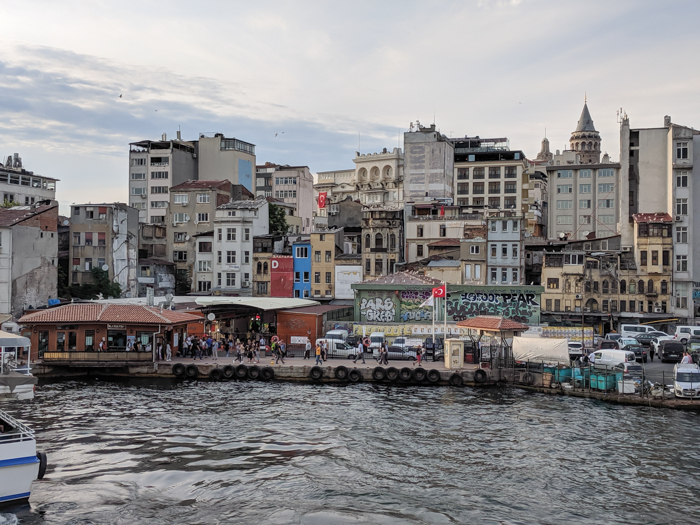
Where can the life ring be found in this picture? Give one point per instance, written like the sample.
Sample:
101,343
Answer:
178,369
341,373
315,373
419,374
43,462
354,376
274,339
456,380
379,374
215,374
366,341
529,379
405,374
480,376
241,371
392,373
191,371
228,371
434,376
267,374
253,372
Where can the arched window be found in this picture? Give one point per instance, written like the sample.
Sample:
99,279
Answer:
367,241
592,304
259,267
613,286
567,286
265,268
650,286
392,241
606,287
633,287
576,146
379,241
640,285
664,287
623,286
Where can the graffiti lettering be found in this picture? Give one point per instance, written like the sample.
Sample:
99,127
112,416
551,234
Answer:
417,315
519,307
378,310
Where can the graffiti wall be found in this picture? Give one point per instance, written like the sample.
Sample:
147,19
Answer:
518,304
378,307
411,309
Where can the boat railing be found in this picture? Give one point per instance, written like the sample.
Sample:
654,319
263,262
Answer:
19,432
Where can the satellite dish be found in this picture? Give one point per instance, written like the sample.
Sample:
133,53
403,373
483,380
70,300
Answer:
169,297
105,267
211,317
66,222
562,235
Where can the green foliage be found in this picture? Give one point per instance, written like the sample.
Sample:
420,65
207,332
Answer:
183,284
100,285
278,219
9,204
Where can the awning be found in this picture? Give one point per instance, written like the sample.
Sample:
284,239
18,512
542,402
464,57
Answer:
13,379
261,303
8,339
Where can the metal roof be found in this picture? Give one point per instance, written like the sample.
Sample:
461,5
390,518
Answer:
585,123
261,303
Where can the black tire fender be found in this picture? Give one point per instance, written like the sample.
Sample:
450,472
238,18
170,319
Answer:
392,373
354,375
341,373
419,375
228,371
405,374
316,373
241,371
43,463
434,376
267,374
529,379
379,374
191,371
480,376
456,380
178,369
215,374
254,372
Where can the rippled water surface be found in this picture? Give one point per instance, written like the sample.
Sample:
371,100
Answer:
314,454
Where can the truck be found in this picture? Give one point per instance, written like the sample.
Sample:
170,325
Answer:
338,348
337,334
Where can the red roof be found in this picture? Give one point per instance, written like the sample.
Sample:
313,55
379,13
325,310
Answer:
445,242
108,313
652,217
492,322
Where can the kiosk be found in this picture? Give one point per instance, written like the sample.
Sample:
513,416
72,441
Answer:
454,354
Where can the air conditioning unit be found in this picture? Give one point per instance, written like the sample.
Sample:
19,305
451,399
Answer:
579,296
183,204
246,284
658,310
679,218
626,249
143,195
187,237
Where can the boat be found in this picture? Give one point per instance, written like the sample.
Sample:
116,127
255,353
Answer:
16,382
20,464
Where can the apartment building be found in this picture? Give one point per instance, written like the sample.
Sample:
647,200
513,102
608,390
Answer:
472,255
28,257
222,158
193,206
383,240
301,252
505,258
291,185
659,174
21,186
488,174
536,200
236,224
105,236
326,245
428,165
347,214
264,247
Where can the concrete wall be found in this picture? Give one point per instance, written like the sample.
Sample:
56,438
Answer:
428,166
218,164
345,276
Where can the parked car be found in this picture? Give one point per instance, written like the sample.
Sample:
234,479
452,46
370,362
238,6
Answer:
612,337
670,350
438,344
632,345
686,381
645,338
609,359
354,340
576,350
407,343
337,334
683,333
656,342
397,354
693,347
631,330
609,344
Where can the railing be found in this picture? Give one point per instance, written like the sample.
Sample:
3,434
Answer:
20,432
96,357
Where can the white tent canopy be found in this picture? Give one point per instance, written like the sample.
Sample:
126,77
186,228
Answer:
12,340
262,303
541,349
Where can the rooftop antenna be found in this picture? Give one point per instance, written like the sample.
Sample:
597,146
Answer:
359,142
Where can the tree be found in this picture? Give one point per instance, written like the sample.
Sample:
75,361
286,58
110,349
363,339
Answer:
100,285
278,219
183,284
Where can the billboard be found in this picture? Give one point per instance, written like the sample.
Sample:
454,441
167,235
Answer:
281,277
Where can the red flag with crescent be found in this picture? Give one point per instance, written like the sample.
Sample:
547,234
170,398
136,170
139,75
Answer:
440,291
322,199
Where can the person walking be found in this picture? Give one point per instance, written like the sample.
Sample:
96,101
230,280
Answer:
686,358
257,354
651,351
239,353
168,352
384,355
215,350
283,347
324,351
319,361
278,355
307,351
419,356
360,353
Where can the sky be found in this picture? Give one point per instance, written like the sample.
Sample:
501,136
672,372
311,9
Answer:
311,83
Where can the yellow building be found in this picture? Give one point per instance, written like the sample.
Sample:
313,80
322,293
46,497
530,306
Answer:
325,246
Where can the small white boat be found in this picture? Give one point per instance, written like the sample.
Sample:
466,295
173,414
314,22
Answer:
20,464
16,382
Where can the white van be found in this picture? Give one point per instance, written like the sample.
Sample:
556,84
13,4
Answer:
633,330
608,359
338,348
686,381
683,333
337,334
376,339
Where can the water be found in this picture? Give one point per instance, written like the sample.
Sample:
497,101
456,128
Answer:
297,453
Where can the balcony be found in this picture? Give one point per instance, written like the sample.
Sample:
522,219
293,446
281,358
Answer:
378,250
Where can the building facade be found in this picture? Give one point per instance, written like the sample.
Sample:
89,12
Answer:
23,187
326,245
428,165
383,240
472,255
291,185
505,258
222,158
301,251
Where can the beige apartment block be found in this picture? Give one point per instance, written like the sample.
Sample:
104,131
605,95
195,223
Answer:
326,245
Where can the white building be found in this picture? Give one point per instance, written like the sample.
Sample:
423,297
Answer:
24,187
505,249
289,184
235,225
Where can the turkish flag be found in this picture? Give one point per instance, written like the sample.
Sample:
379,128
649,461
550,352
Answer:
442,211
440,291
322,199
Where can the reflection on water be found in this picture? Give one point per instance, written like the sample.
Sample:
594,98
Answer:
313,454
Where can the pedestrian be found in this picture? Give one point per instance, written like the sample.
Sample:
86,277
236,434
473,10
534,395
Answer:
283,347
257,354
198,350
651,352
419,355
249,352
324,351
307,350
239,352
360,353
318,355
278,355
215,350
686,358
168,352
159,352
384,356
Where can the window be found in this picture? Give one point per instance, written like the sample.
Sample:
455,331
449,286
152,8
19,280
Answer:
246,234
681,263
89,213
548,305
605,305
565,188
159,189
392,242
265,268
180,218
584,188
462,173
180,198
159,204
666,258
606,203
329,256
463,188
302,252
504,275
419,250
494,249
664,287
494,187
564,205
681,150
419,232
477,271
205,247
478,173
681,295
134,191
565,219
511,172
317,256
478,188
514,250
88,238
681,206
379,241
76,239
606,287
138,176
328,278
218,234
368,266
474,249
606,172
297,277
640,287
246,257
515,275
230,234
204,266
682,179
655,257
633,306
510,187
557,305
584,204
595,286
159,175
494,276
565,174
203,286
230,257
443,230
203,217
317,277
494,226
504,250
682,234
494,202
585,174
202,198
606,219
179,256
553,283
230,279
494,173
606,188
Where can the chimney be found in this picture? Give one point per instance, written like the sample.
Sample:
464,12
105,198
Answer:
667,121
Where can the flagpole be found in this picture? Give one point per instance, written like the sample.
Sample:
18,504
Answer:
445,334
433,336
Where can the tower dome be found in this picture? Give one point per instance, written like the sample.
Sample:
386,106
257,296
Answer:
585,140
